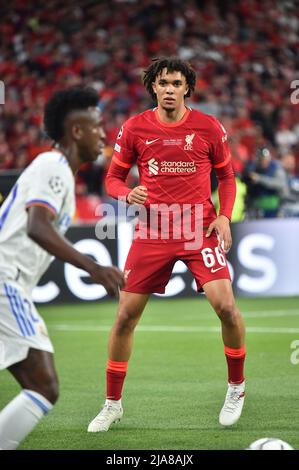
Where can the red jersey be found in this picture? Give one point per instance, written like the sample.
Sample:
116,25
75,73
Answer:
174,161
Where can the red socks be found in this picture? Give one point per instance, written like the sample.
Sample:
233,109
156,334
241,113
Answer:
115,374
116,371
235,361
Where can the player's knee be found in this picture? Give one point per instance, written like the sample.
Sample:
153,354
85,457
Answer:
227,312
126,320
54,391
50,390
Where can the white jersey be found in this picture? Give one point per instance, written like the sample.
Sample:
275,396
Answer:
49,182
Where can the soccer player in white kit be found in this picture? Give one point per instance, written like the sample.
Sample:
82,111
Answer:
33,219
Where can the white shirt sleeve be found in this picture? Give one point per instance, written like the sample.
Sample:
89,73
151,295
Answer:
51,181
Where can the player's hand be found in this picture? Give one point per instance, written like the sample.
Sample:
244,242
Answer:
222,228
138,195
255,177
110,277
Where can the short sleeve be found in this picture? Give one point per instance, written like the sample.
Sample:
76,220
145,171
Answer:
220,153
124,153
50,184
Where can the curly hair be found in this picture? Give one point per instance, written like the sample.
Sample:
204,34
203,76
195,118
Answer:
172,64
64,102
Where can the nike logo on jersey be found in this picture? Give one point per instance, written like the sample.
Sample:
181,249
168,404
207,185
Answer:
148,142
217,269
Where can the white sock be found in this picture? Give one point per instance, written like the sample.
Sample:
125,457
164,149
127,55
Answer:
20,416
113,402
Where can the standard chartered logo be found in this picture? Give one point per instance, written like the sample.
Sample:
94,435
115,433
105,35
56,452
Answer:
153,166
176,167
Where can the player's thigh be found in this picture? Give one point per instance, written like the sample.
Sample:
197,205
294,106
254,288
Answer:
220,295
134,302
37,371
131,305
148,267
207,264
21,326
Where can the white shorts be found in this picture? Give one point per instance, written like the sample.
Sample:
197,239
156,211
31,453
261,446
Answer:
21,326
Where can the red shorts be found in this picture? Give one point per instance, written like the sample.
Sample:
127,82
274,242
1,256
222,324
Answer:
149,265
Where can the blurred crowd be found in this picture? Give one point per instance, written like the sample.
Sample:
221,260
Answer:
245,53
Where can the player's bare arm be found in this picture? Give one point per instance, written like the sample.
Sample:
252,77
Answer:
41,230
222,228
138,195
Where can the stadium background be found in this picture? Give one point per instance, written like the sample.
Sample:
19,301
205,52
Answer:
246,55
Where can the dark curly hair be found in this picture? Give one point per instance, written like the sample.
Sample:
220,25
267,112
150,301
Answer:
172,64
64,102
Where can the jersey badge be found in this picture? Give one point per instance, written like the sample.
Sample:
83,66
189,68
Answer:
189,141
56,184
120,133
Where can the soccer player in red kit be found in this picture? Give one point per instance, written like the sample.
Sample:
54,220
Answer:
175,149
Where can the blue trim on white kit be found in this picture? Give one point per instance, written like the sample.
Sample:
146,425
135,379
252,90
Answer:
62,159
19,311
24,313
38,402
8,207
42,201
6,287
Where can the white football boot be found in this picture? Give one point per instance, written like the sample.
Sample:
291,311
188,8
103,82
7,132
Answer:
233,404
111,412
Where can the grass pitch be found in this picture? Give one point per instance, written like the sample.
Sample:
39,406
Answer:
176,380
